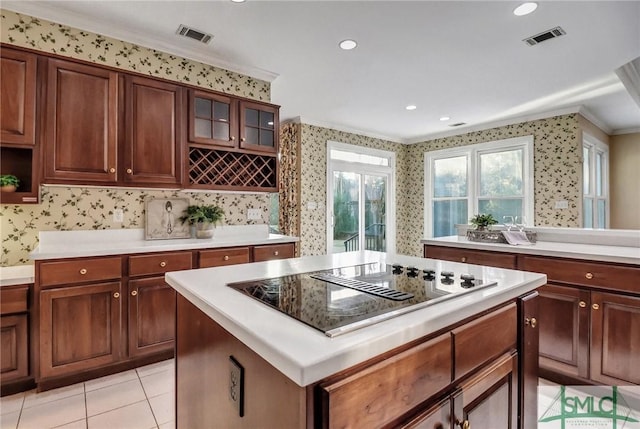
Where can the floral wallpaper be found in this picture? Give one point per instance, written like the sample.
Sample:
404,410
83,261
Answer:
71,208
289,199
557,175
65,208
39,34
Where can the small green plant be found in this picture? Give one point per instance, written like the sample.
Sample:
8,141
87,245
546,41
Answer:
482,221
204,213
8,180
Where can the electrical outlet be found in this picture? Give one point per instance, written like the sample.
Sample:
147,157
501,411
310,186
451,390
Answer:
118,215
236,385
254,214
562,204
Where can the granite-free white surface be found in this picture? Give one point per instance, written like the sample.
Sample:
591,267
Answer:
76,244
591,252
16,275
306,355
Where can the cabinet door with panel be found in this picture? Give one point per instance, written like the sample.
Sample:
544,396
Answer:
14,356
18,100
80,124
489,399
259,127
213,119
437,417
615,339
152,316
564,330
153,120
80,328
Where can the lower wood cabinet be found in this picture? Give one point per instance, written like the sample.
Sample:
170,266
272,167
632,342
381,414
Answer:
152,316
14,358
80,328
615,339
438,416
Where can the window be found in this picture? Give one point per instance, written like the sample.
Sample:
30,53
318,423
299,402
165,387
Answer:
595,183
495,178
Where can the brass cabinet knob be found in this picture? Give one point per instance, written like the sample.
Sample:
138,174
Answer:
226,257
129,171
533,322
275,253
232,138
464,424
116,295
595,306
163,264
589,276
112,170
464,259
83,271
134,292
243,139
582,304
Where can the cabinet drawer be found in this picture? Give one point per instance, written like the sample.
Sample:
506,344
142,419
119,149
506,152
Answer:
159,263
273,251
220,257
466,256
13,299
376,395
607,276
484,339
76,271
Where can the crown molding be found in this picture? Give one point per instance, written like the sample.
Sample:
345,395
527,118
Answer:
595,121
50,12
625,131
495,124
345,129
629,75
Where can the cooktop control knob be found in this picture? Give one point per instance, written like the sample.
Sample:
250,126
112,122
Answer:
467,280
397,269
447,277
429,274
412,272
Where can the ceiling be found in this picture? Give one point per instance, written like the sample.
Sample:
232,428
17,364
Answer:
465,60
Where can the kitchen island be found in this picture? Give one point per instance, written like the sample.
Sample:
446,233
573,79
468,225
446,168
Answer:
243,364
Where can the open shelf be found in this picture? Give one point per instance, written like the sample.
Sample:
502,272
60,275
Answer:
19,162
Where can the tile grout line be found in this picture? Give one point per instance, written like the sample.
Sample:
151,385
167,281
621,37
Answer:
86,410
24,397
147,398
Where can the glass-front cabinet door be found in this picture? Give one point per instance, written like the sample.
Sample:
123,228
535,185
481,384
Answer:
258,127
212,119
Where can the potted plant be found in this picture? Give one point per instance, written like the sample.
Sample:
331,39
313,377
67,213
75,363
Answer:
9,183
204,217
483,221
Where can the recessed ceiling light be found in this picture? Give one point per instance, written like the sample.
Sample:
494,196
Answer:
348,44
525,8
411,107
444,118
238,1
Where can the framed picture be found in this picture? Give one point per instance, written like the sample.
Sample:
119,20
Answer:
161,219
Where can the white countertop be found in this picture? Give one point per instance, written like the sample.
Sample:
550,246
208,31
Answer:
16,275
77,244
306,355
591,252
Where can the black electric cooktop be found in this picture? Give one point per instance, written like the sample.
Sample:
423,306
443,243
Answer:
343,299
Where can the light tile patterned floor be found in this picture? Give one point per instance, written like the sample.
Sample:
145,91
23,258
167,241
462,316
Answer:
141,398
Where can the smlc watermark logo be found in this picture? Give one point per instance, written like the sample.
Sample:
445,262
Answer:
588,407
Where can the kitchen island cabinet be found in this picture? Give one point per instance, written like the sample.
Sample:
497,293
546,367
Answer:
437,365
589,308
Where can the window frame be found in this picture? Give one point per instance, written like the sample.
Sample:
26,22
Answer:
473,152
595,147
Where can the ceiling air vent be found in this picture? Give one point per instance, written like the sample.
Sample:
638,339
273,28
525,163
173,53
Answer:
545,35
194,34
458,124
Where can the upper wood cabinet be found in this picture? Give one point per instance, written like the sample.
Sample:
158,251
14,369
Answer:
220,120
19,149
152,149
213,119
258,127
18,101
80,124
